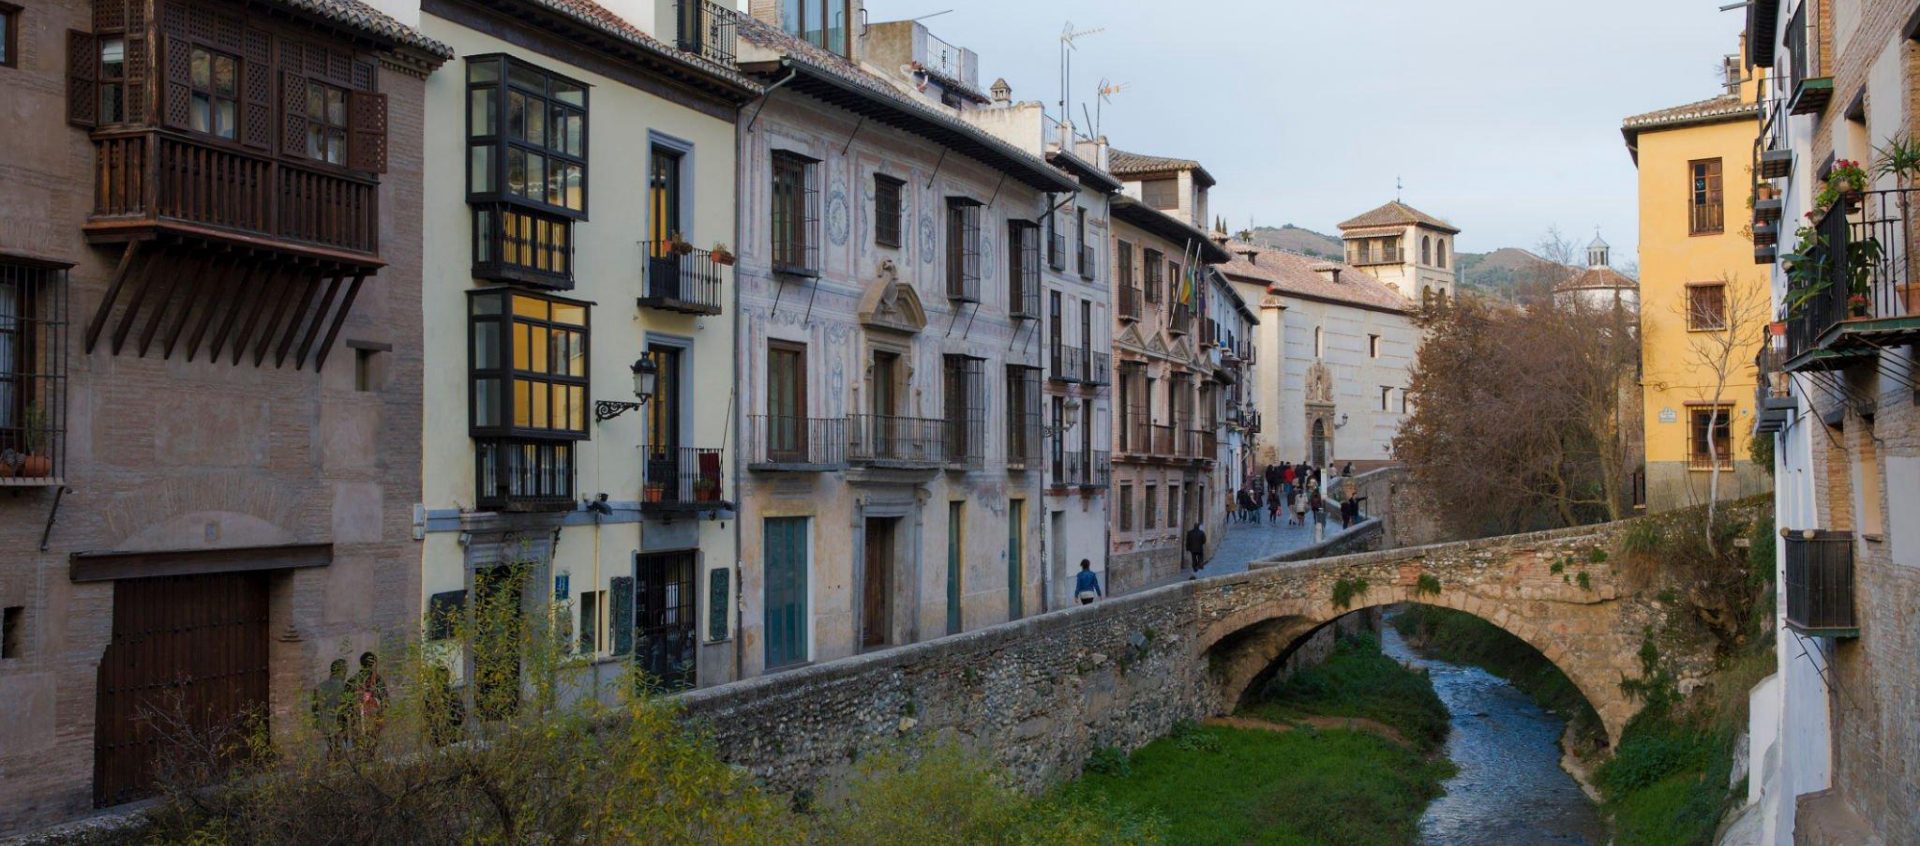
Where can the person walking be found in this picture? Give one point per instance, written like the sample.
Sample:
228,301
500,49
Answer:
1275,501
1346,471
1197,547
1299,509
1086,585
1319,507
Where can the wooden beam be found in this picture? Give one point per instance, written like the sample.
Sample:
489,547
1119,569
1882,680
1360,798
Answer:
171,283
268,287
133,305
293,323
111,566
99,320
339,317
223,297
198,286
272,328
319,319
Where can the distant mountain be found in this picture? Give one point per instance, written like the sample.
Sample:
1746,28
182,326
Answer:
1493,273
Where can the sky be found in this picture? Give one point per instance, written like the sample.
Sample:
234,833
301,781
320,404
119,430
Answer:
1502,116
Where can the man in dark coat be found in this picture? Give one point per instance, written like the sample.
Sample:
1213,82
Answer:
1197,547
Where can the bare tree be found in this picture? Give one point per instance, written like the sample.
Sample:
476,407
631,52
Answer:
1723,351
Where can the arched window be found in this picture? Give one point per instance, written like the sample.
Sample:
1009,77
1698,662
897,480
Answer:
1426,249
1319,343
1443,252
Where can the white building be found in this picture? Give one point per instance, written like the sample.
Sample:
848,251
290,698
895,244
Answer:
1600,288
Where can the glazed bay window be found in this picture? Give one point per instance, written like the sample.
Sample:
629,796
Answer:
526,170
963,249
528,400
795,214
822,23
1023,269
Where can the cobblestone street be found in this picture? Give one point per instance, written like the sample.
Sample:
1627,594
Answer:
1249,542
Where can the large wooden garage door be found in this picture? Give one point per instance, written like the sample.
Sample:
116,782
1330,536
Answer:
188,652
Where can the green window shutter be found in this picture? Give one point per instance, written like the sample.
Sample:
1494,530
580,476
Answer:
622,613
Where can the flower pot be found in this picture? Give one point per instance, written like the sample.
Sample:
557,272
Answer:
681,249
723,259
30,467
1851,201
707,494
655,493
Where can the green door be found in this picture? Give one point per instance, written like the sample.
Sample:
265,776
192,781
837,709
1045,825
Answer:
1016,532
955,511
785,611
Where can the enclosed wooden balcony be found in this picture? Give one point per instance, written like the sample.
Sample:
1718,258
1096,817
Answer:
155,182
1820,583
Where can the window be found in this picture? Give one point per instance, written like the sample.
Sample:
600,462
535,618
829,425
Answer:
33,372
1443,253
527,131
1704,198
215,105
964,389
1086,249
11,627
1710,437
663,199
326,123
590,616
796,215
886,210
528,374
1162,194
366,370
1056,242
113,79
1126,508
1173,284
511,244
963,249
1319,342
1155,263
1386,398
1023,269
822,23
1706,307
1023,414
1174,504
1426,249
9,36
1153,508
787,429
1373,346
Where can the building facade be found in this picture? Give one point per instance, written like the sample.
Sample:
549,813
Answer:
1405,249
1227,335
1167,395
1833,733
889,290
1702,304
561,277
1335,348
207,323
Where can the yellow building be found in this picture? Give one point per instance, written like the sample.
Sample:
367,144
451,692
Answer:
1703,302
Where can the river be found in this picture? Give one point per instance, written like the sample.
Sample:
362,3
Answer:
1510,790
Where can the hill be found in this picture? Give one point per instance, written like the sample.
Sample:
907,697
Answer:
1494,273
1295,239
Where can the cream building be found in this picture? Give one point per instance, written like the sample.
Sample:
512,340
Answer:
1334,348
1406,249
579,184
890,361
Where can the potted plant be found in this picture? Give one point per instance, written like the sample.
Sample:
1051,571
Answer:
1857,305
655,491
31,462
1850,180
721,255
1765,192
1900,159
706,489
679,244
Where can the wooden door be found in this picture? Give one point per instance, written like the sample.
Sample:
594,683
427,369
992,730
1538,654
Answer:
876,608
787,425
188,656
785,602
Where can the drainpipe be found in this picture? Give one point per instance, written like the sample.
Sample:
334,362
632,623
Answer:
740,409
764,97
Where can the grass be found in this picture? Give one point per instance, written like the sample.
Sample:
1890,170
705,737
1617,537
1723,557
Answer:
1461,638
1358,681
1248,786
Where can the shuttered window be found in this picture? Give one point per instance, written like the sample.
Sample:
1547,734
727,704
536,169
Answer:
963,249
886,210
795,215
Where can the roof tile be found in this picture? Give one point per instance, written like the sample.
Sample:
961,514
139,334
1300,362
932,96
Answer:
1398,213
1293,273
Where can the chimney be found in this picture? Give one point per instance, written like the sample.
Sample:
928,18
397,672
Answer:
1329,272
1002,92
1253,256
1733,72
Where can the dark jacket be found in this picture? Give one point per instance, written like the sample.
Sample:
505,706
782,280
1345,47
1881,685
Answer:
1196,540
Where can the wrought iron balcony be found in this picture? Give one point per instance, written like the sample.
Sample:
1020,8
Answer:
1164,441
1086,262
1182,319
1855,291
780,444
1100,467
156,179
1203,445
1771,391
880,440
685,280
1129,302
706,29
683,480
1820,583
1069,467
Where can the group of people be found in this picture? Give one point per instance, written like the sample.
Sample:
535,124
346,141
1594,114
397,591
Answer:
1294,490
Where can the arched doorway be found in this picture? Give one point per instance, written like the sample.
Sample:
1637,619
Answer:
1319,444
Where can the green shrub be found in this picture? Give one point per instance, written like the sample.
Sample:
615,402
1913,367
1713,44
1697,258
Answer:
1110,760
1427,585
1557,567
1345,590
1358,681
1585,582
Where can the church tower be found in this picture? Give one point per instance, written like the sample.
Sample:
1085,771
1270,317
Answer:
1409,250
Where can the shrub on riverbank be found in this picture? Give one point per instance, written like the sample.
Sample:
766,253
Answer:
1358,681
1250,786
1461,638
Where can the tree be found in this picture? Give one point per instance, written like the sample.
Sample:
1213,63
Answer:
1721,352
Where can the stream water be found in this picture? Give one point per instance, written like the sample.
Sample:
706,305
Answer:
1510,790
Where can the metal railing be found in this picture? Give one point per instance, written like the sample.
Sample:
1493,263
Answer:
1859,268
1101,469
886,440
1137,432
1129,302
1820,583
965,442
686,280
1203,444
681,478
1086,262
782,443
33,374
524,475
1164,441
707,29
1069,467
1180,320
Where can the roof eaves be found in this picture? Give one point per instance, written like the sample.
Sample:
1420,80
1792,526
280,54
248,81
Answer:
1169,227
1089,174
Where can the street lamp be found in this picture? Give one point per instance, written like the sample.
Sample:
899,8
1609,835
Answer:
646,379
1069,416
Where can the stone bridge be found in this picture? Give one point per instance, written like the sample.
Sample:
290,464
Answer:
1042,694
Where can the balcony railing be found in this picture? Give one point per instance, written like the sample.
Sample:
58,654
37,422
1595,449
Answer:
1820,583
1057,249
880,440
33,374
687,282
1203,445
1101,469
1137,432
1129,302
966,442
1086,262
1078,364
160,177
1164,441
1069,468
683,479
522,475
707,29
780,444
1856,290
1772,394
1182,319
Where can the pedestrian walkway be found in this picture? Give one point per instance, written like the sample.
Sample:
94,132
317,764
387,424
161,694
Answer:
1248,542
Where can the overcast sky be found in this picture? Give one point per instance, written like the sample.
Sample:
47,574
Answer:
1502,116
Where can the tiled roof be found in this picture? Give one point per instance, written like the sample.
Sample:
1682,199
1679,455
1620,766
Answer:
600,17
1398,213
1123,163
1712,110
1291,273
1597,277
1085,170
354,14
824,64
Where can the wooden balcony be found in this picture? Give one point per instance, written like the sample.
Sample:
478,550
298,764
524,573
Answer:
154,181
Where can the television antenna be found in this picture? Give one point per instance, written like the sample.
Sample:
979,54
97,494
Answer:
1068,37
1105,95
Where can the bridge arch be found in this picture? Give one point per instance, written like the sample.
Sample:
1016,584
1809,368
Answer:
1241,649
